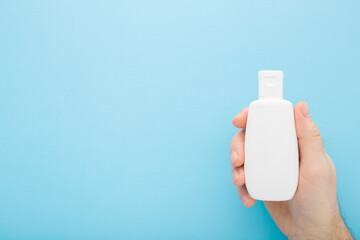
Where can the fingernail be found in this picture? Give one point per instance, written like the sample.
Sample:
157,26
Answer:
233,156
235,174
305,110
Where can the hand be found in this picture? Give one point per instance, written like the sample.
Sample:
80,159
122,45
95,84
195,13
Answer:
313,213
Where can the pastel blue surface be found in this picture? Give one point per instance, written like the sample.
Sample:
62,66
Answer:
116,115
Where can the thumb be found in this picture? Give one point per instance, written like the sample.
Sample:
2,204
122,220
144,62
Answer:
309,138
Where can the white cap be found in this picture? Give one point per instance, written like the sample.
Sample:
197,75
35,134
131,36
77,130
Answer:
270,84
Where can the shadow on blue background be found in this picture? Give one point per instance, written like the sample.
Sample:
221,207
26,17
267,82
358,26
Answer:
116,116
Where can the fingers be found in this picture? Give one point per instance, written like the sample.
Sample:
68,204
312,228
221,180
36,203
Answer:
237,154
239,181
309,138
238,176
239,120
245,197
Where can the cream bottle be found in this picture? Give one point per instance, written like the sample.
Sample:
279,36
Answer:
271,147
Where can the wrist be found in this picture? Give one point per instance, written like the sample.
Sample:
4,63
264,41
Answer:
337,231
341,232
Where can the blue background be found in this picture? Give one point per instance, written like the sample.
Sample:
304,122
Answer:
115,117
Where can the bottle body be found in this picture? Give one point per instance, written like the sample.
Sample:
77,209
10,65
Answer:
271,150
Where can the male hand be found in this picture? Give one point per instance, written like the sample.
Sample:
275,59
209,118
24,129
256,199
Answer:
313,213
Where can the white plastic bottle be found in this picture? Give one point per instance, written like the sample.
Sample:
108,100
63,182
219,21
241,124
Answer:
271,148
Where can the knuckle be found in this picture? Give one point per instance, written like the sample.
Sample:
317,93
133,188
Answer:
235,182
315,132
318,171
316,136
237,139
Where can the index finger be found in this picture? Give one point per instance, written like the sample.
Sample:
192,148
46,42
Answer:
240,119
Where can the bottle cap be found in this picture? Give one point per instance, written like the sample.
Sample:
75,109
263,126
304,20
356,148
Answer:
270,84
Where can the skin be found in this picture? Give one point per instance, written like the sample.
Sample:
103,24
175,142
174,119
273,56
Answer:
313,213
